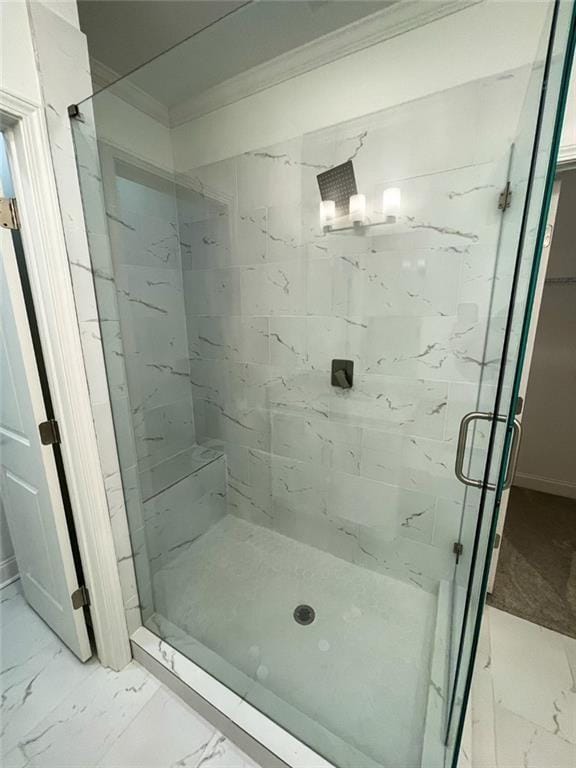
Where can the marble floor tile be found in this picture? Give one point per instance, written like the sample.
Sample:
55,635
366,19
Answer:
87,722
531,674
523,696
523,744
181,741
57,712
482,702
12,603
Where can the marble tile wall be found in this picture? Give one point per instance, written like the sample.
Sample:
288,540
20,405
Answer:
366,474
148,280
177,516
173,488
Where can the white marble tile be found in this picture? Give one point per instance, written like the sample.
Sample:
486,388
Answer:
482,702
537,684
36,686
23,637
274,289
386,509
521,742
242,339
421,283
179,515
212,291
238,553
288,342
221,753
317,440
410,462
12,602
57,711
250,245
284,235
209,242
88,721
271,176
401,405
165,732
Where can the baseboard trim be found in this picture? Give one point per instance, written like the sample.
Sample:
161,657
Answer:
8,571
546,485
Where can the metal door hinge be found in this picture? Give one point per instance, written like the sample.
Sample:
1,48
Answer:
74,113
80,598
505,198
9,213
497,539
49,432
458,549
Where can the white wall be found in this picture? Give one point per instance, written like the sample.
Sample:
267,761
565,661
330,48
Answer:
568,139
390,73
18,75
547,459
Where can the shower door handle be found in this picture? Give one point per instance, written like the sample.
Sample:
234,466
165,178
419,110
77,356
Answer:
461,449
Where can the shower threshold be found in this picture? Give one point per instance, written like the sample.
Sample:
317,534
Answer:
353,684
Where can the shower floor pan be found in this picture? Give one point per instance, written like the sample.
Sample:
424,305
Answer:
353,684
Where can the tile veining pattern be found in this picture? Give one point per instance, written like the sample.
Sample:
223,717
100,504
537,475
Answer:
366,474
233,272
59,713
523,696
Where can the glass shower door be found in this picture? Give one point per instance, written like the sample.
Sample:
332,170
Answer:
287,389
488,443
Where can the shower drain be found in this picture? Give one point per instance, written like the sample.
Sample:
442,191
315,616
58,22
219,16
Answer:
304,614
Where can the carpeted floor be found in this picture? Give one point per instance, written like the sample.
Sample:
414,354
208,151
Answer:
536,576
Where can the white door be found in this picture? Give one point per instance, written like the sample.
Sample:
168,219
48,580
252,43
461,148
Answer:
527,361
29,486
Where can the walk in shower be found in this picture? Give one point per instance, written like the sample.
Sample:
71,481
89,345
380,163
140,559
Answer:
312,228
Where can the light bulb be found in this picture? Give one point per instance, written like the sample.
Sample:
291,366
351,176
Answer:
358,209
327,213
391,200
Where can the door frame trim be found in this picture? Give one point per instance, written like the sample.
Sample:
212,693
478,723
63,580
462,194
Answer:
29,151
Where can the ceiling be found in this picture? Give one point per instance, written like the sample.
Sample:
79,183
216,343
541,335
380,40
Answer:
123,34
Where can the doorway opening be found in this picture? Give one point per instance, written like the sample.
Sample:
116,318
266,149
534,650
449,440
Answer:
534,573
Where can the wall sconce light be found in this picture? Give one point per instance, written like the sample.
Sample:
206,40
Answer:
358,209
327,214
391,200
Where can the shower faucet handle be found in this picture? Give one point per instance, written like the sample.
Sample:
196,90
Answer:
342,374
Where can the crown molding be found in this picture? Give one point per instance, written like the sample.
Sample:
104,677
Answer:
396,19
104,76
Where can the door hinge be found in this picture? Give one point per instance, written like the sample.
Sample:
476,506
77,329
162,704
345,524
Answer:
49,432
80,598
9,213
458,549
505,197
497,539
